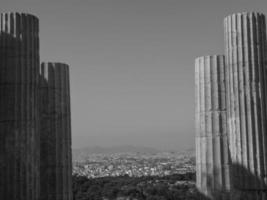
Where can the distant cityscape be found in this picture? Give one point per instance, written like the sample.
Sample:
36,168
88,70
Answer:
133,164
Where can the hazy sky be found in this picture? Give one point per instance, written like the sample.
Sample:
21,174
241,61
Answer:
131,63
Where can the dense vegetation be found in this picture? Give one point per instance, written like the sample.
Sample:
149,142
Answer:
174,187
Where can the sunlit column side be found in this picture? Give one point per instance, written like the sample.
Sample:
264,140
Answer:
245,50
212,162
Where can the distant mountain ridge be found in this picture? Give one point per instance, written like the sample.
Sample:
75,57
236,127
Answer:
81,153
117,149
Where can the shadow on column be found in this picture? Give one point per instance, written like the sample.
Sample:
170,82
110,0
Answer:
19,136
246,185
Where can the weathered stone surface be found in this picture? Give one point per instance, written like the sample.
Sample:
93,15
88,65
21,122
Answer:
212,161
19,129
245,50
56,162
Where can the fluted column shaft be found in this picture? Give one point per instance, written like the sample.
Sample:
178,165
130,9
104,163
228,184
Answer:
19,131
211,128
56,162
245,51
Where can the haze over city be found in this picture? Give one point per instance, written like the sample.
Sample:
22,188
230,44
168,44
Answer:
131,63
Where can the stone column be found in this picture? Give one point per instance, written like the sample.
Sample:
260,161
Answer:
19,130
56,162
212,161
245,50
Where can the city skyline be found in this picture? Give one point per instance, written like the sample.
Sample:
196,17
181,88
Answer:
132,63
